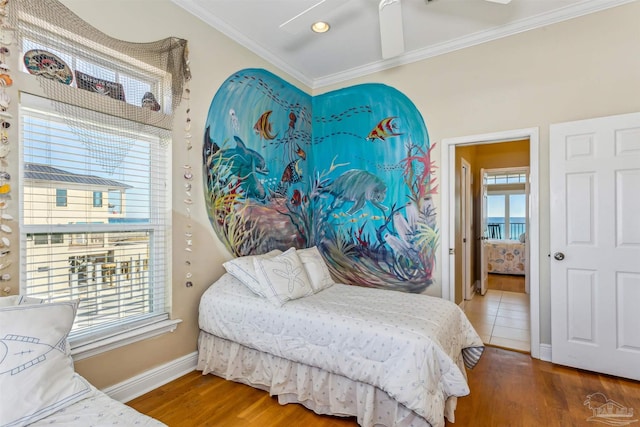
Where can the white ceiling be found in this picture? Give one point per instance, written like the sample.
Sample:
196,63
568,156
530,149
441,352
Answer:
352,47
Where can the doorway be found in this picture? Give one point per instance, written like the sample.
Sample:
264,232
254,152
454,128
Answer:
451,236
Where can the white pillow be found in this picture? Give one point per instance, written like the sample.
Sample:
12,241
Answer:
316,268
17,300
283,278
242,268
36,371
10,300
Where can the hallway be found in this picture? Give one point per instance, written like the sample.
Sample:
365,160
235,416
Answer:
501,317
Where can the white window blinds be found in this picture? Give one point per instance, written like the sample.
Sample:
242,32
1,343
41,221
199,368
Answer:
95,215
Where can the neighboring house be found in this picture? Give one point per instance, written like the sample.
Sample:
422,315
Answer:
61,194
90,266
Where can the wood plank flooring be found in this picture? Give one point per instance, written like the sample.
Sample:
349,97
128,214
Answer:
507,389
506,282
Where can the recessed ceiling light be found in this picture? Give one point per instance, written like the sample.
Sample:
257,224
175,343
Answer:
320,27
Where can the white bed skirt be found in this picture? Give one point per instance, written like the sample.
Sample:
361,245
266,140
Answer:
316,389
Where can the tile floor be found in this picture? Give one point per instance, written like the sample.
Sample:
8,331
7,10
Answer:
501,318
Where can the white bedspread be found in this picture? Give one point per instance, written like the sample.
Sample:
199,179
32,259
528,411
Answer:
98,410
408,345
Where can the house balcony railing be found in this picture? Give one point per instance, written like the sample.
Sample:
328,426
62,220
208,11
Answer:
496,230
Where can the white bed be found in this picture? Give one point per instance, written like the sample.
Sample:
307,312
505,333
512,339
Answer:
97,409
386,357
38,382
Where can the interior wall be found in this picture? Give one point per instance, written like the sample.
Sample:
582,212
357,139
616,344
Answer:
577,69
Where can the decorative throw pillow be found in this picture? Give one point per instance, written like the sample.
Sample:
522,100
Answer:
10,300
36,369
283,278
242,268
18,299
316,268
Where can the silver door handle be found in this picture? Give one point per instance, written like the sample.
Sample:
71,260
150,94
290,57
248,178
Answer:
559,256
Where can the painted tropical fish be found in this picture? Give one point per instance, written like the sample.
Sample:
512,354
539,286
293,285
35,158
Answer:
300,152
263,126
357,186
383,130
292,172
297,198
245,163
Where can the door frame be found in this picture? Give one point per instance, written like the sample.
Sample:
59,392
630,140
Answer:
466,218
447,207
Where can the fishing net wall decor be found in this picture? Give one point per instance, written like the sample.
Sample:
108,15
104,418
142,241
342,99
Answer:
120,85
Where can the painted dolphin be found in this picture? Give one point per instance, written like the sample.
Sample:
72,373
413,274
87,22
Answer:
357,186
245,163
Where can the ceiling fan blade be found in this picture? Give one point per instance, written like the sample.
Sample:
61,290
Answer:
391,31
318,12
500,1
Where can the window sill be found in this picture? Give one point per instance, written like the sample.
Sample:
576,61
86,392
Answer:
83,349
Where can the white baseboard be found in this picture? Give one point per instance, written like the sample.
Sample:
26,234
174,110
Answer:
153,378
545,352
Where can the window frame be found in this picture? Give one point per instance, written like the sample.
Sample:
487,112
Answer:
90,343
97,201
62,197
515,182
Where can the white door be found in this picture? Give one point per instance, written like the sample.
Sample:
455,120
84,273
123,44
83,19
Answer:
484,270
595,244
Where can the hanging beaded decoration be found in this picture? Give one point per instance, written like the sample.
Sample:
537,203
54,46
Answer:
6,38
188,201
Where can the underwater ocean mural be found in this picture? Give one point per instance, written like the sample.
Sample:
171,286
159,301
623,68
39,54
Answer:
349,171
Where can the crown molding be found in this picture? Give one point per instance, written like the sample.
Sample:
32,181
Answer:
569,12
242,40
563,14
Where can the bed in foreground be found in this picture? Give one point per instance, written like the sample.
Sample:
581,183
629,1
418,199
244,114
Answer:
38,382
386,357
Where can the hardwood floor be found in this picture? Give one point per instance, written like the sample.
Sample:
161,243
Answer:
506,282
507,389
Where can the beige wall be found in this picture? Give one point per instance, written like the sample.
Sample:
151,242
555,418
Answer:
586,67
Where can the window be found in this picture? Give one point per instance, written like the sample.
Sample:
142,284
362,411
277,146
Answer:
61,198
506,204
113,260
97,199
506,216
96,123
41,239
105,262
